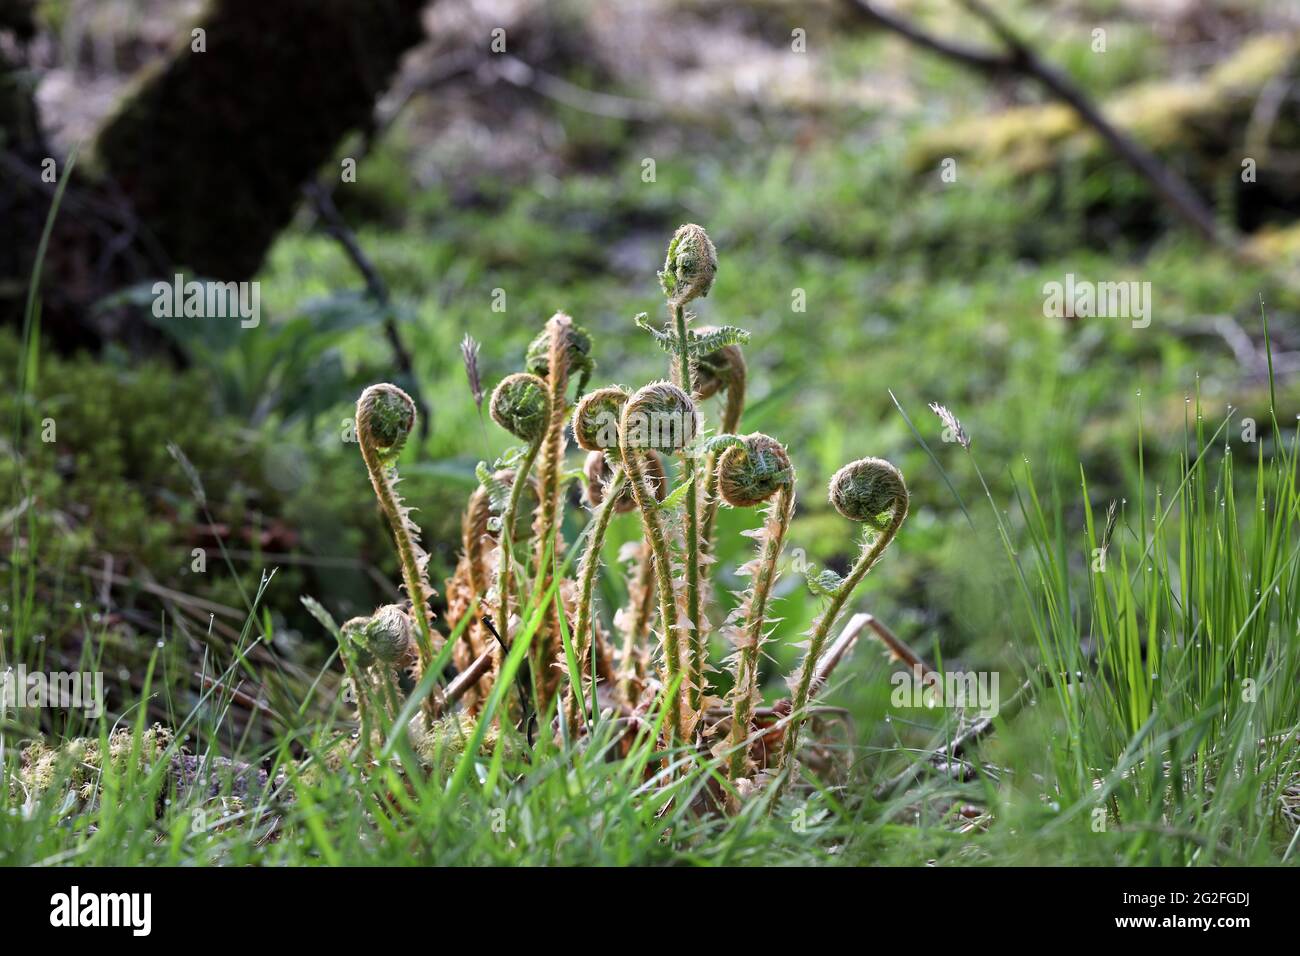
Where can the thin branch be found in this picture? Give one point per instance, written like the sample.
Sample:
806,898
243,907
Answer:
467,679
898,649
831,657
518,73
240,696
1018,59
974,57
334,224
972,734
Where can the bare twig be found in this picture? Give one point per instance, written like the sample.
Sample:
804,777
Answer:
467,678
108,579
898,650
943,758
971,56
832,656
240,696
332,220
1019,60
954,748
518,73
1259,129
1252,358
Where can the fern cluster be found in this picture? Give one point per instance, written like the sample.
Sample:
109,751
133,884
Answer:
519,582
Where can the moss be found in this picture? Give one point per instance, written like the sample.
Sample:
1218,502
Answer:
109,486
1162,115
107,483
330,762
1277,245
78,764
448,738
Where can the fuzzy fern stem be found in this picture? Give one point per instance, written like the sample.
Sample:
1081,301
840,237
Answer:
385,416
506,560
699,635
688,273
546,525
520,405
637,615
864,491
734,408
746,689
817,641
589,564
634,466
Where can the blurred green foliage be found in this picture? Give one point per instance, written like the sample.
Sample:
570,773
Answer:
105,484
932,291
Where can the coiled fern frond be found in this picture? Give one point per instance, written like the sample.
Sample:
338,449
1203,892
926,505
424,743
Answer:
628,436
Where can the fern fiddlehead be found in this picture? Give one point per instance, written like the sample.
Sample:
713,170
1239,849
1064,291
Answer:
870,491
659,417
633,620
722,370
379,647
568,351
753,471
595,429
473,577
385,418
519,405
689,270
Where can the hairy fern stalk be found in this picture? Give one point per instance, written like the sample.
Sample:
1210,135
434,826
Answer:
531,650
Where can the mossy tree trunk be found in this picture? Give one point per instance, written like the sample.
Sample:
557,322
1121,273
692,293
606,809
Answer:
212,151
21,153
203,163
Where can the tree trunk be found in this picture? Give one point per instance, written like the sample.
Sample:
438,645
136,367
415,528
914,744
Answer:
202,166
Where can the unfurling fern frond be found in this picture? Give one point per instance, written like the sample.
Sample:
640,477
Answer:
498,492
699,343
703,343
